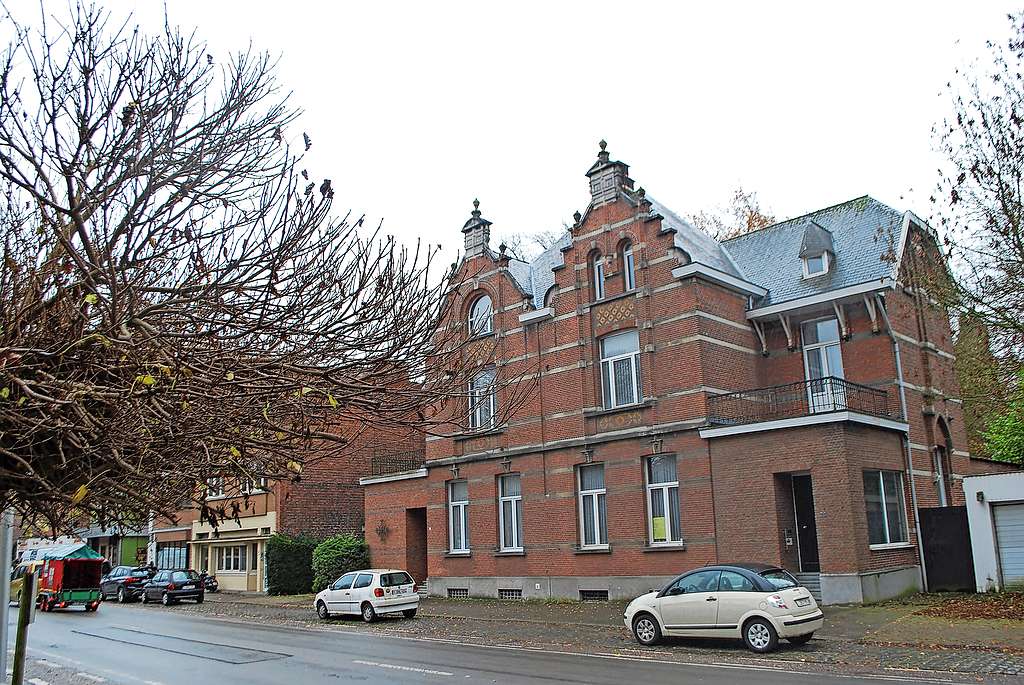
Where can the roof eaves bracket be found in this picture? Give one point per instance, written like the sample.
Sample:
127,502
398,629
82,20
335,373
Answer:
790,344
844,329
759,329
869,303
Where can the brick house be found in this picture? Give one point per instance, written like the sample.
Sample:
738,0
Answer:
326,501
785,396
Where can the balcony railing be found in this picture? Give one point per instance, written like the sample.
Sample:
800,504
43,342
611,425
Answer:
396,462
805,398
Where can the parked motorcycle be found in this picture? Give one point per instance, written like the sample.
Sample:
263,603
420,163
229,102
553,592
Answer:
209,582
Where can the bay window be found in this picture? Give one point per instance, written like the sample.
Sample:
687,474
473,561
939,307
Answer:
231,558
620,369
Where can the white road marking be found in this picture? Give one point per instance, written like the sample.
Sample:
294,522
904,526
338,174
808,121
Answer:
396,667
89,676
37,681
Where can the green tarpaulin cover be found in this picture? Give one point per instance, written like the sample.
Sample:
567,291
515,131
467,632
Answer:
75,550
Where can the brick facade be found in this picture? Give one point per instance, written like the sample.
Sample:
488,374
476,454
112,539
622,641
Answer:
695,342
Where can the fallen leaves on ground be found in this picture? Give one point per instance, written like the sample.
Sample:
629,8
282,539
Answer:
1002,605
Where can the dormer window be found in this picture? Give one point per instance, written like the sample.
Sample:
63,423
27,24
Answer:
816,265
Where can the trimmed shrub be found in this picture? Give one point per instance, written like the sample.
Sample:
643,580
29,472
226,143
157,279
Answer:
336,556
289,564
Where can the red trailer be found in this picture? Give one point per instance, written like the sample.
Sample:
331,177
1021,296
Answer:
70,576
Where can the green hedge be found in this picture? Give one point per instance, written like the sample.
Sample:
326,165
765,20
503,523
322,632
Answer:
336,556
290,564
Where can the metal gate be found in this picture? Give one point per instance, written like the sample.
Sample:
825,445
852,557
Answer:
946,540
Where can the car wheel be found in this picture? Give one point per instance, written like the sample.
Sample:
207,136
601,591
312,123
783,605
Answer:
369,615
801,639
321,611
145,597
646,630
409,613
759,635
166,600
122,596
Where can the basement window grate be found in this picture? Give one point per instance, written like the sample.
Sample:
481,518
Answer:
458,593
509,593
593,595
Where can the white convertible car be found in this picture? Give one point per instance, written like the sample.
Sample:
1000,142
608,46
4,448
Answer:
755,602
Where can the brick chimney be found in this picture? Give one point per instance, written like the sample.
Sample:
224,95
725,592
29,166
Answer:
607,178
477,231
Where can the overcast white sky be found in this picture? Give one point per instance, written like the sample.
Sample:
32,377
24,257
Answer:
416,108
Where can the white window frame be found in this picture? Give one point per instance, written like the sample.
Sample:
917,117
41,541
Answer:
592,509
458,519
479,398
825,261
478,324
215,487
662,491
598,268
818,405
516,509
889,544
608,372
232,559
628,268
252,486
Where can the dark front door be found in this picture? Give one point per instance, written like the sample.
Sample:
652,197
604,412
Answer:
416,543
806,530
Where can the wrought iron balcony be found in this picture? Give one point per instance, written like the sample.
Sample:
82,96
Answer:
805,398
385,464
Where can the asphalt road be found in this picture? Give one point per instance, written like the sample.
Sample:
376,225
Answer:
131,645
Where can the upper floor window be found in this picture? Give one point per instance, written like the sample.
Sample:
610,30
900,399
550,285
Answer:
215,487
628,267
816,265
883,499
549,296
482,400
251,485
823,360
597,268
481,316
593,512
620,369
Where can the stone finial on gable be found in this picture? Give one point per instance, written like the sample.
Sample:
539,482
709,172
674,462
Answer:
477,231
607,178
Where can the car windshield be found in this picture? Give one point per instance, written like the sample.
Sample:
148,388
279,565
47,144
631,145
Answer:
392,579
182,576
779,579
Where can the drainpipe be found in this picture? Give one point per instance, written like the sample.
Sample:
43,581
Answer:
905,439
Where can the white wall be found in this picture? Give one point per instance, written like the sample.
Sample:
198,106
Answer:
997,488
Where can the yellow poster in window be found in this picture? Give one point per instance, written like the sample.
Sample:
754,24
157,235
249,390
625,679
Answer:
658,525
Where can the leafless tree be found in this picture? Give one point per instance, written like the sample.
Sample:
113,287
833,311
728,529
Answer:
743,214
526,246
980,195
178,299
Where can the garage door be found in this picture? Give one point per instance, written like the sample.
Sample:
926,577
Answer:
1010,543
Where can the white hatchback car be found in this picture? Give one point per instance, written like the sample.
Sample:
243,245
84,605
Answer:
369,593
756,602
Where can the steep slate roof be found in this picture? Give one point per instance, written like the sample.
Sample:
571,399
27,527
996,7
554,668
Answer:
860,233
701,247
864,234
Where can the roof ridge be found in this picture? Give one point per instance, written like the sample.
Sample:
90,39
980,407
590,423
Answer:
804,216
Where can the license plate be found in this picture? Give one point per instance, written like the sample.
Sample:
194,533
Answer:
188,587
803,601
401,590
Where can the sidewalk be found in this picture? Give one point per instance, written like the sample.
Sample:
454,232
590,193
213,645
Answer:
896,635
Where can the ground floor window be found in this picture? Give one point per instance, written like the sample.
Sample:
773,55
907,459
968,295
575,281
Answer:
663,501
458,518
883,497
172,555
593,515
510,501
231,558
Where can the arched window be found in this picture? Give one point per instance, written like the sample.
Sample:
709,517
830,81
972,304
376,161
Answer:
597,268
549,296
481,316
628,267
